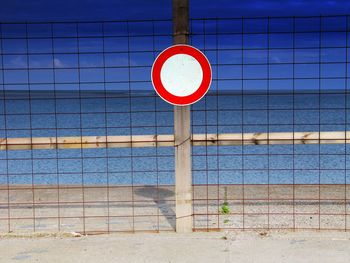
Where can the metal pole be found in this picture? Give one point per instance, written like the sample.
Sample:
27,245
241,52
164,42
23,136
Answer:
182,131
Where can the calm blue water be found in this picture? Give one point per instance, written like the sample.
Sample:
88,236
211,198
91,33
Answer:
95,113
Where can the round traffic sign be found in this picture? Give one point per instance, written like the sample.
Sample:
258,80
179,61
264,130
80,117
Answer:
181,75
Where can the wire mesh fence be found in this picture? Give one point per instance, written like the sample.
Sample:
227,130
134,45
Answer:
88,146
273,75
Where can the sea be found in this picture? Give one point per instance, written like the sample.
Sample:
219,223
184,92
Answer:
100,113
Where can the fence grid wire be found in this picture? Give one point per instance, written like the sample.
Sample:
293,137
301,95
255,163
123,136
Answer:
269,139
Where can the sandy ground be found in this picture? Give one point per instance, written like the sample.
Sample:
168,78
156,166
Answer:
171,247
148,208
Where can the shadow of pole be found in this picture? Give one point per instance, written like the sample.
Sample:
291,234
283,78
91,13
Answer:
160,195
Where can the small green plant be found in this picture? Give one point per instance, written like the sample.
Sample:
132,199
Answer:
225,209
226,221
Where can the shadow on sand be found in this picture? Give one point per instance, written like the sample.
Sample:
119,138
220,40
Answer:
161,196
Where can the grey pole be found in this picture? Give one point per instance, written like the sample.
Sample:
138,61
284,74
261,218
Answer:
182,131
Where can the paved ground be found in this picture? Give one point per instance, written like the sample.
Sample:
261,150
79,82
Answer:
171,247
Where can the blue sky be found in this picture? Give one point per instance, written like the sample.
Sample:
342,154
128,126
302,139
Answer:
41,61
73,10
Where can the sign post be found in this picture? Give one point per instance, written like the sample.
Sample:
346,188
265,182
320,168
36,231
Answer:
182,132
181,75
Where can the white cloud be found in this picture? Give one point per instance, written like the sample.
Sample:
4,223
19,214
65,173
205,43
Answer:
19,62
276,59
57,63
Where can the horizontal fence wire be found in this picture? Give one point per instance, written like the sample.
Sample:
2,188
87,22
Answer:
86,145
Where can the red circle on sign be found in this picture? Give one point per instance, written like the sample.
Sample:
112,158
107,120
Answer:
163,92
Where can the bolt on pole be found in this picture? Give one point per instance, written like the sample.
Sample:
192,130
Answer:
182,131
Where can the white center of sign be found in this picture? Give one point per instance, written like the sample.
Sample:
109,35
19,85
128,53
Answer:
181,75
